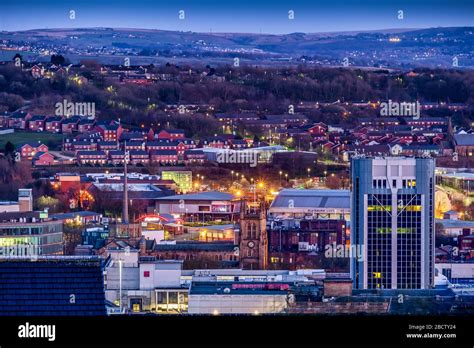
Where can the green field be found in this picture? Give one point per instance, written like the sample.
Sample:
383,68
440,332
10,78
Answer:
53,141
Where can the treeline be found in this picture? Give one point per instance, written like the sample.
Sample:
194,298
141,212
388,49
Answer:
266,90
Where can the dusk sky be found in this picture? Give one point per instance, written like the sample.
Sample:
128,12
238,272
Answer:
266,16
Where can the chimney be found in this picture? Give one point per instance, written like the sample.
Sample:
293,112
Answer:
25,200
125,188
142,245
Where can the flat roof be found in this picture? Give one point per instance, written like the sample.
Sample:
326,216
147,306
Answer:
73,215
219,227
201,246
312,199
447,223
227,288
201,196
462,176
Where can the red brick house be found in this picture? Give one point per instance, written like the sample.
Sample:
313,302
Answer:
4,117
85,125
84,146
91,157
28,150
139,157
194,157
464,144
171,134
107,146
37,123
43,159
52,124
111,132
116,157
318,129
18,120
164,156
134,145
215,142
70,125
159,145
37,71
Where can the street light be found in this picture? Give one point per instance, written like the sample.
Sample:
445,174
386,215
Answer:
308,170
280,172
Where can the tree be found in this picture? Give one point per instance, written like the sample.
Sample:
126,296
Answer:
9,148
53,204
57,59
18,56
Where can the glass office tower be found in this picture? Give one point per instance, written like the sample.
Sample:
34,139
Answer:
392,218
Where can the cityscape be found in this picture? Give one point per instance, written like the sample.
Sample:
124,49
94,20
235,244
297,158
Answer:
199,169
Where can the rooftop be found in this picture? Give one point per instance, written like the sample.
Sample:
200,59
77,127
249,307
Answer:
44,287
202,246
312,199
239,288
201,196
464,139
447,223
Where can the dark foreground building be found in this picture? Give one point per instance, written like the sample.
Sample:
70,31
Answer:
52,286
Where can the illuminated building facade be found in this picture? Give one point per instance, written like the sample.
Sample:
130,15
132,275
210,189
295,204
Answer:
392,217
30,234
184,179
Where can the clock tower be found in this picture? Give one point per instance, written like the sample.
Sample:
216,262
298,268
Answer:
253,239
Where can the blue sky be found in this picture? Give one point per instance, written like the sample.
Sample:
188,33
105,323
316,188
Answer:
253,16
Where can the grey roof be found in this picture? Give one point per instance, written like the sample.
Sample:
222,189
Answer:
460,176
198,246
312,199
464,139
447,223
163,152
201,196
74,214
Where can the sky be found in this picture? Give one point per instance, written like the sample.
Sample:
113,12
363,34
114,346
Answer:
243,16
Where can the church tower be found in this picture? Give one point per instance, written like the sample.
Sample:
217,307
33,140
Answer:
253,239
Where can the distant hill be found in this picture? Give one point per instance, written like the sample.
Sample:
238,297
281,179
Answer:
390,47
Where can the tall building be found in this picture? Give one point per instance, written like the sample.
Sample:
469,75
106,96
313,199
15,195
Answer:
392,220
253,239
